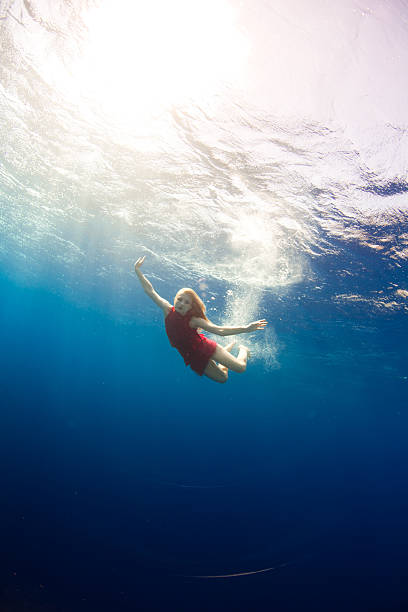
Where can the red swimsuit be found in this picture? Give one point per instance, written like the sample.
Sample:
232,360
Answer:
195,348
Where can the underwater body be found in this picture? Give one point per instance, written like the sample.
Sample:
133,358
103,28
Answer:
256,152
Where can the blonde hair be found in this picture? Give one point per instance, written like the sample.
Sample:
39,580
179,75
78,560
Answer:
197,304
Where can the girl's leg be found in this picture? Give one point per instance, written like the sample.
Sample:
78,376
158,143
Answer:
236,364
216,372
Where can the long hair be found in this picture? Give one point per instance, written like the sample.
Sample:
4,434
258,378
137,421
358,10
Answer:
197,306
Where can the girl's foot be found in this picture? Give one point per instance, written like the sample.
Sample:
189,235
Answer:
244,351
224,369
229,346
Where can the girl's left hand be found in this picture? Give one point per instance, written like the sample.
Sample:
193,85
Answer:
139,262
261,324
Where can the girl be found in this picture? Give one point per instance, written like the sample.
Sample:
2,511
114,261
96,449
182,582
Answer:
182,322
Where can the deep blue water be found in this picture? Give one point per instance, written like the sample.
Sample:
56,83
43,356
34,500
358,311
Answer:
124,474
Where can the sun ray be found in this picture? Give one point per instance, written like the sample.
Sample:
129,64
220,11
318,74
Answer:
150,55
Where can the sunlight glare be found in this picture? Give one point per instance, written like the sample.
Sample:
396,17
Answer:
144,56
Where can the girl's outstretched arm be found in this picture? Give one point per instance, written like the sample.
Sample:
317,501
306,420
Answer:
148,288
226,331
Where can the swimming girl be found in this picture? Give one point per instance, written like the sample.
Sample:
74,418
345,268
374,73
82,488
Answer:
182,321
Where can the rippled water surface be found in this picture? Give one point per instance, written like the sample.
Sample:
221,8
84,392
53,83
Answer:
257,151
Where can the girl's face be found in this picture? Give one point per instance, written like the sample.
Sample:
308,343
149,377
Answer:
183,303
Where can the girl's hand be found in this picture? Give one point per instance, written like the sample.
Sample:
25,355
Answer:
139,262
261,324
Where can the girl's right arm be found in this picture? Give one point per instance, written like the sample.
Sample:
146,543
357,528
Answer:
148,288
205,324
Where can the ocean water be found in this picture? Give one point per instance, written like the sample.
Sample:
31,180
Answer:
257,152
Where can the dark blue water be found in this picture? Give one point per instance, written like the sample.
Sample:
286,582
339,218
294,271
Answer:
124,474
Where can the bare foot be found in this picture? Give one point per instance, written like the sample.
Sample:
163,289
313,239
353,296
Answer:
229,346
245,349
